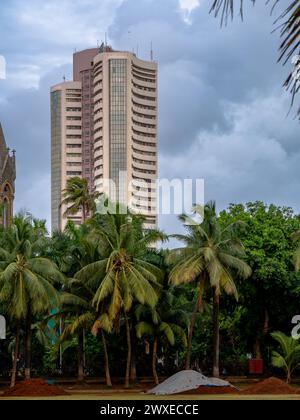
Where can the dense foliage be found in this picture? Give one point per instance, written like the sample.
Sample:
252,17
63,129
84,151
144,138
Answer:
100,300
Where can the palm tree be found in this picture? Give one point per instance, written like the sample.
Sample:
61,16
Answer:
80,316
161,322
289,24
26,281
103,324
80,249
78,197
289,356
73,250
83,251
122,274
210,258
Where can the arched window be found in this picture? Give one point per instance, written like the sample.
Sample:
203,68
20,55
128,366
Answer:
6,212
7,195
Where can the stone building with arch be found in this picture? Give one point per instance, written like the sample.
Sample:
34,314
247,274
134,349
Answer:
7,181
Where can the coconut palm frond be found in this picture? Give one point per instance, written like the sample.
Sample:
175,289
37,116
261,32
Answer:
288,357
166,329
143,328
187,270
104,323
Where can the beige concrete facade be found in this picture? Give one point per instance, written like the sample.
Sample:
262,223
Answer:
83,72
124,135
137,114
66,147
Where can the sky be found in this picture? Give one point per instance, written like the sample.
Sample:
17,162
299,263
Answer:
222,109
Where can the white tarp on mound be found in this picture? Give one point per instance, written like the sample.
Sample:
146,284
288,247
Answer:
186,380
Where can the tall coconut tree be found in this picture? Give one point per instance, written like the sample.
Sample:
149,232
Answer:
122,273
77,197
72,250
27,281
79,314
211,257
83,251
164,322
78,250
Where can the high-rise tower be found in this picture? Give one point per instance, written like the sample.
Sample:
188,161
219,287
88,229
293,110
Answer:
114,131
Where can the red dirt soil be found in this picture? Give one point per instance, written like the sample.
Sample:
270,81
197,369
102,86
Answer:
212,390
34,388
271,386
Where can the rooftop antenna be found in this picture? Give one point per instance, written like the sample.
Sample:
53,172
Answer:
137,50
105,41
129,33
64,78
151,52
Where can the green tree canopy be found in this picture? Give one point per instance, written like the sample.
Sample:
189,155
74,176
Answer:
269,296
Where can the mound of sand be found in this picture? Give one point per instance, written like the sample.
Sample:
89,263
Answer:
271,386
34,388
187,380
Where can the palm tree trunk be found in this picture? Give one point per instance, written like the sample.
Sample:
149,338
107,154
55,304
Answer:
107,370
133,376
216,334
61,329
28,342
198,304
154,359
266,322
80,378
15,358
257,347
127,375
83,213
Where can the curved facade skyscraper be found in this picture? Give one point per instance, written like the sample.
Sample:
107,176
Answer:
125,130
118,124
